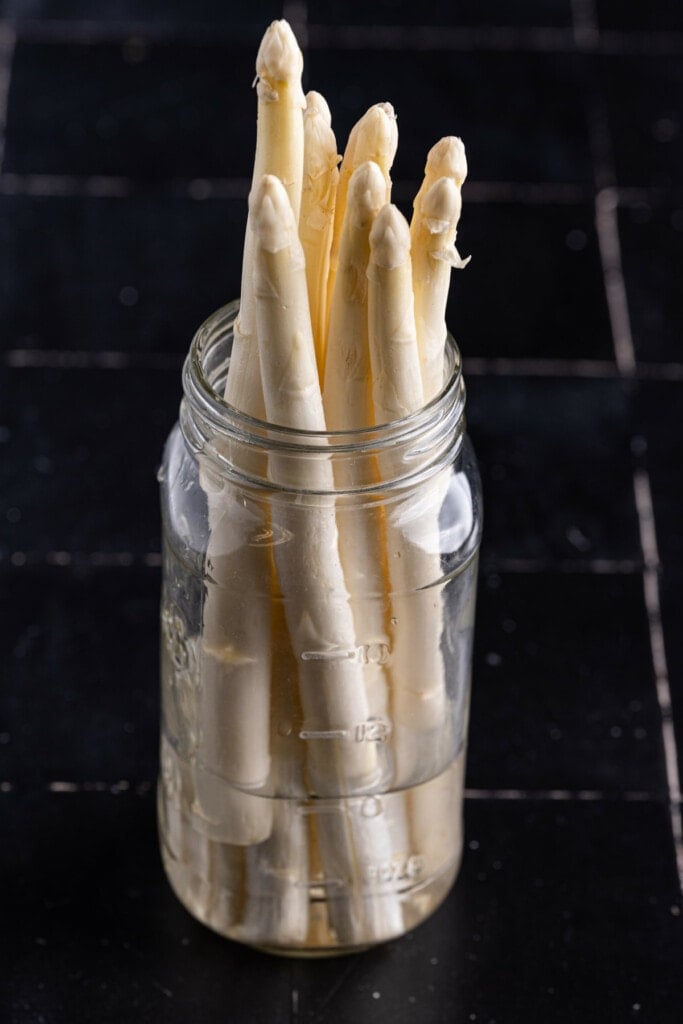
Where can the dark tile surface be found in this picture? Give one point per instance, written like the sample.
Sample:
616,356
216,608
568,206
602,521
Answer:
542,298
134,275
671,597
533,129
660,417
573,887
663,16
144,114
75,477
57,677
563,692
236,13
556,467
644,99
459,13
568,907
652,253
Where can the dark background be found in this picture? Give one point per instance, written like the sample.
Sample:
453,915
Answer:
128,144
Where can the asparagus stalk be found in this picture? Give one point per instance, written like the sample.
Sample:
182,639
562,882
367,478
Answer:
316,220
233,734
446,159
279,151
315,594
347,399
347,393
236,662
412,531
374,137
433,252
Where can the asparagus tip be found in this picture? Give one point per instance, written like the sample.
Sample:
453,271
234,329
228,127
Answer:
279,58
317,106
441,205
367,192
390,238
271,214
447,159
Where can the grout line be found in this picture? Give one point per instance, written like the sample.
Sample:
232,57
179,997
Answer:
75,359
502,367
641,44
78,559
153,559
121,187
588,566
7,45
494,38
607,227
585,25
474,366
122,786
580,795
648,540
583,35
542,193
143,787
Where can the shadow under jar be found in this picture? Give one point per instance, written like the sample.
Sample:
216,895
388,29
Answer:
317,619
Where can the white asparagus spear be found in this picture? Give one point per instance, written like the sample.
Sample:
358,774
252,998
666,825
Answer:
276,908
236,664
316,220
233,734
412,529
280,151
347,398
433,253
311,576
347,393
374,137
446,159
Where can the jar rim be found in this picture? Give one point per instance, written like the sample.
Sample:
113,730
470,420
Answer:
225,417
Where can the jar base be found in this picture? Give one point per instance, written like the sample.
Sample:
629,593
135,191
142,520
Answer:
211,881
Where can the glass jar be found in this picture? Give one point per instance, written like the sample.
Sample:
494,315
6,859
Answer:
317,619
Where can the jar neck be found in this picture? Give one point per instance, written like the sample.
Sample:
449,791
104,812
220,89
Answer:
391,455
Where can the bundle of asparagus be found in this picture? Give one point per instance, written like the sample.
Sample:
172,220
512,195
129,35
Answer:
341,327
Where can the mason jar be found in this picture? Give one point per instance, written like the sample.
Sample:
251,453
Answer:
317,620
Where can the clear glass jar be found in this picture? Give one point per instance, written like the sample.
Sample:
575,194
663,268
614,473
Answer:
317,618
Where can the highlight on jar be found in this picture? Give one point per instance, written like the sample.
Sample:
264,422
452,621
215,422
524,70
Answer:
321,519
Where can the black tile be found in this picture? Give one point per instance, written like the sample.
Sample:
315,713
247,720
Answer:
149,110
236,14
137,274
97,932
660,425
534,286
556,467
663,16
81,678
520,115
81,448
563,692
644,99
565,912
671,595
458,13
652,251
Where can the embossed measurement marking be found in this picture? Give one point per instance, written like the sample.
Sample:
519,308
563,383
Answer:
323,734
375,653
374,730
403,869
